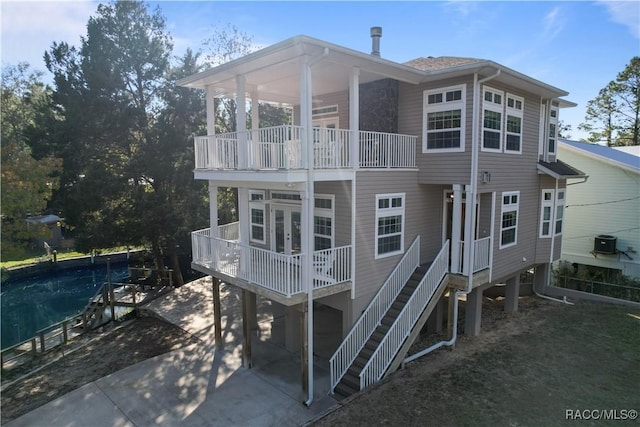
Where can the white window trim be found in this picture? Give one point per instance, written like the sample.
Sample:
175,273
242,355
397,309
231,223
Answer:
386,212
512,111
553,121
497,108
258,205
444,106
511,207
559,203
551,205
325,213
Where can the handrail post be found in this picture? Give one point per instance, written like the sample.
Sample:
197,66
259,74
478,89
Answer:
42,346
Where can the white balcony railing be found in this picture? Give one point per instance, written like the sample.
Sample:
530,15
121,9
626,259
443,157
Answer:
271,270
280,148
480,258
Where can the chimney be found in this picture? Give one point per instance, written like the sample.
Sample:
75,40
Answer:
376,33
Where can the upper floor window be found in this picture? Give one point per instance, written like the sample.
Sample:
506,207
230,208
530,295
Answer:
492,109
559,211
501,121
553,129
513,119
389,224
443,119
509,218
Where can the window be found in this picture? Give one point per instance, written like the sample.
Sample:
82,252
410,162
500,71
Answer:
323,222
492,120
256,216
389,224
553,129
509,224
552,213
546,215
443,119
559,211
513,127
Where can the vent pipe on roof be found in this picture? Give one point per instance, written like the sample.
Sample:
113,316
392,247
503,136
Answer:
376,34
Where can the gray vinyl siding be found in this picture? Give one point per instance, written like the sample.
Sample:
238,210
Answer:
341,99
423,216
342,209
436,168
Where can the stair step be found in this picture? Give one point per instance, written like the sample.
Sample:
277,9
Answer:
344,390
388,320
378,336
366,353
398,305
352,381
371,345
355,371
383,329
360,362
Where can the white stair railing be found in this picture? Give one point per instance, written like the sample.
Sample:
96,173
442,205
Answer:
401,328
370,319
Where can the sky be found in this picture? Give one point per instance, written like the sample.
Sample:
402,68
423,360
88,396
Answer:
578,46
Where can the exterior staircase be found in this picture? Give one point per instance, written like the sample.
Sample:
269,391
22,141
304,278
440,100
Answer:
380,339
350,382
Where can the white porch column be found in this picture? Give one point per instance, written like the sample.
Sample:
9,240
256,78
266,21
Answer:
243,228
213,220
354,116
211,110
456,225
255,125
211,126
241,122
469,231
306,121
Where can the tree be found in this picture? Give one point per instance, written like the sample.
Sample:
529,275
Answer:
614,115
27,183
109,93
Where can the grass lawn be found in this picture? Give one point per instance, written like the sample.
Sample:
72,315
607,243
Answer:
525,369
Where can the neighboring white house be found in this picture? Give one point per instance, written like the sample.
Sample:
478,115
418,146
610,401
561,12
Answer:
602,219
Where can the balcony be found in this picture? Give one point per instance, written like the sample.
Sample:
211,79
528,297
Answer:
280,148
481,256
272,274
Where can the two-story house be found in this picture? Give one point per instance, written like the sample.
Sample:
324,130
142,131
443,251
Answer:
395,185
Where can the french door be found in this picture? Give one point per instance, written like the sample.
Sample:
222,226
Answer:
287,226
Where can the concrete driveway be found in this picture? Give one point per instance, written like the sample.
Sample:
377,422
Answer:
196,386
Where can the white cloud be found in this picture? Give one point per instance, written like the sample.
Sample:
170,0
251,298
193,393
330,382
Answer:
553,24
626,13
30,27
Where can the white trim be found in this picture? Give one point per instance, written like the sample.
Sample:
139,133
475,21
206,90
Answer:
514,112
258,204
324,213
389,212
510,206
494,107
331,109
559,203
553,121
546,203
444,105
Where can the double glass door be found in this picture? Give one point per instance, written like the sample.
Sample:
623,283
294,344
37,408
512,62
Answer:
287,223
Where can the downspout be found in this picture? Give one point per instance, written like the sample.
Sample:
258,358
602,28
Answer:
471,201
306,122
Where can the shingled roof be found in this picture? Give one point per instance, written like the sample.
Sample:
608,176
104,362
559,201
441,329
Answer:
430,63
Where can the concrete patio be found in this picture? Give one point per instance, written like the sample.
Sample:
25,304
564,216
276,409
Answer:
197,385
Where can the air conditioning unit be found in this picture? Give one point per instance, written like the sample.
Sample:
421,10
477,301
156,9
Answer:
604,244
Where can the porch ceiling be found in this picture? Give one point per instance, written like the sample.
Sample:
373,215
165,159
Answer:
274,72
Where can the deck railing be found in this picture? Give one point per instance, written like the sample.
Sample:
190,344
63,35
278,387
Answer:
401,328
370,318
480,256
271,270
280,148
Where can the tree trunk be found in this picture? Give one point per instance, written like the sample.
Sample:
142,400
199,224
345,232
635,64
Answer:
178,280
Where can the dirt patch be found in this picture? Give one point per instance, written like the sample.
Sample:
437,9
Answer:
96,355
526,368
